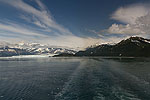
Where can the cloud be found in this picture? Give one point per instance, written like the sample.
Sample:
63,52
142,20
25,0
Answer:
131,13
11,32
92,31
40,26
124,29
135,19
15,33
40,17
47,30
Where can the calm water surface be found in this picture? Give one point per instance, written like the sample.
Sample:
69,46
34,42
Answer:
74,78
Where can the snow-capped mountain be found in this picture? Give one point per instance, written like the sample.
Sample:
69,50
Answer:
7,49
133,46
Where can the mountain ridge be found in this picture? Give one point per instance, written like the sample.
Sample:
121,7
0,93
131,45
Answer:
130,47
31,49
133,46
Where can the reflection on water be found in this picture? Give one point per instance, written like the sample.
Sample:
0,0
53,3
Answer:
74,79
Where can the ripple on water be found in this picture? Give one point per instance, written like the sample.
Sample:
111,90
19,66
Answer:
92,79
101,82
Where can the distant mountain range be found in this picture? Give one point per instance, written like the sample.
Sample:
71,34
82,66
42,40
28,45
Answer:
7,49
131,47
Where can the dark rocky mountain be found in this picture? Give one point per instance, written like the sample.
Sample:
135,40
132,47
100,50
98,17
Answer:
64,55
133,46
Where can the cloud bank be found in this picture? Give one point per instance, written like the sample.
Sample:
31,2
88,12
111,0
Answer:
135,19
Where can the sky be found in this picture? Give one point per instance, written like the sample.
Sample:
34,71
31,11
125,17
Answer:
73,23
